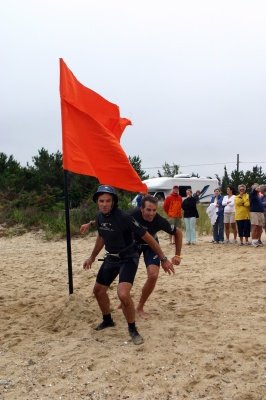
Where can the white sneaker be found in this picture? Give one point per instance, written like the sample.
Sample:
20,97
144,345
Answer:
255,243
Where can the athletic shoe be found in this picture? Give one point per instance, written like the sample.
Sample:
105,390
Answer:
104,324
136,337
260,243
241,244
255,244
235,242
226,241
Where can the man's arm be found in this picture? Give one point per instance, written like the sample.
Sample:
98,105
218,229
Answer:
166,264
178,246
86,227
99,244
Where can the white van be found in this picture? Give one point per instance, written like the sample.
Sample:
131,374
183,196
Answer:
163,186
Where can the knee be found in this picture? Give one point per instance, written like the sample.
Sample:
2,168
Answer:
153,276
98,290
124,296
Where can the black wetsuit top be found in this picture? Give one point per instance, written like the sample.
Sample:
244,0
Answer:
158,224
118,230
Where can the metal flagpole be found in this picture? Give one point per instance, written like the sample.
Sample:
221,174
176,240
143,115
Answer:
69,257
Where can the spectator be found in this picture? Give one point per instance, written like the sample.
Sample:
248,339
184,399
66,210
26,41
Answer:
172,207
218,227
263,200
190,215
256,215
242,214
139,198
196,196
229,213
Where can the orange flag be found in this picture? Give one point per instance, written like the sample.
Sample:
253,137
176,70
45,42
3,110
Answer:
91,132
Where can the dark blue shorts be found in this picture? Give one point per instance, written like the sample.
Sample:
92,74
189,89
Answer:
112,267
150,258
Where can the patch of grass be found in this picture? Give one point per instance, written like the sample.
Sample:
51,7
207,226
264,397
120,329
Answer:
15,230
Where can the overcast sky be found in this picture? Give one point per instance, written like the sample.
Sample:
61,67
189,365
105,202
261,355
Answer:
191,75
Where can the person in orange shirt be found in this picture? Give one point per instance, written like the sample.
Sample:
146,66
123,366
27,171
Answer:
173,208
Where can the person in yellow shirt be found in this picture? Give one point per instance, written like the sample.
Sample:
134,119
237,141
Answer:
242,217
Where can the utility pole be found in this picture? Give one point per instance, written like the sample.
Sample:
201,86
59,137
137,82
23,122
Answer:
237,163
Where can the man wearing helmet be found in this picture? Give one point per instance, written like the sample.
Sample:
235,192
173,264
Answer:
116,230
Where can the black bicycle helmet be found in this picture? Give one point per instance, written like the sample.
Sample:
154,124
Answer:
105,189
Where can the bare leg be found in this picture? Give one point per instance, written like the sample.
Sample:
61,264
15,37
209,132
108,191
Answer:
227,230
260,232
128,308
100,292
149,285
127,304
255,232
233,226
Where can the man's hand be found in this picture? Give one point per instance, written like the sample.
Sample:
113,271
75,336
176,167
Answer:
84,228
87,263
176,260
168,267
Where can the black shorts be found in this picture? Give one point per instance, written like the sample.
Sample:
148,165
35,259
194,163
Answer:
112,267
150,257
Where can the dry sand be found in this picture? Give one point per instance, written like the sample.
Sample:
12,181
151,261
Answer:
205,338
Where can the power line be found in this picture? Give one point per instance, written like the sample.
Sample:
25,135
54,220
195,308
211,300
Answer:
201,165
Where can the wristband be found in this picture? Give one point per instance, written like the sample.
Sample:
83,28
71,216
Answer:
164,258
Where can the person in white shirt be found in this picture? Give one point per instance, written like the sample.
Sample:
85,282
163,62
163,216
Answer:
229,213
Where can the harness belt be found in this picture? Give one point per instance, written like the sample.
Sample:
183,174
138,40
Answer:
112,254
127,251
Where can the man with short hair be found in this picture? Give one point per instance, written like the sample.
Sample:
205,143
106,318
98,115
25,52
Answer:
148,217
116,231
173,207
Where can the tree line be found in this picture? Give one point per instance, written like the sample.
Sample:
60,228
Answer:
40,186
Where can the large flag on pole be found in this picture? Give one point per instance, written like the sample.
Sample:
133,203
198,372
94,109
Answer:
91,132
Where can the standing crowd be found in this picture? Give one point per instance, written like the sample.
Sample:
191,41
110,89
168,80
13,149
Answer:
243,214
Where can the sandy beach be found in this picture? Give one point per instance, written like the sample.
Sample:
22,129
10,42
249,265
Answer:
205,337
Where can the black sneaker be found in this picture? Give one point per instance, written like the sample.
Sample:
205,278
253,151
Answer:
104,324
136,337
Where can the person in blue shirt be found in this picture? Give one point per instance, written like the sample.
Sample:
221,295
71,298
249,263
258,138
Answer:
218,227
256,212
139,199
